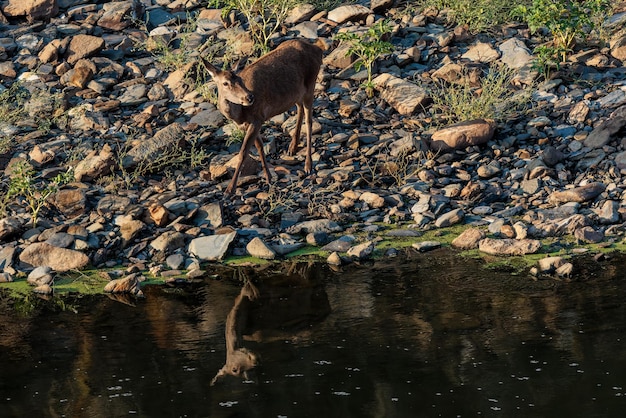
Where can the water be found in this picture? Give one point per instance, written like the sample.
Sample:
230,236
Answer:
427,336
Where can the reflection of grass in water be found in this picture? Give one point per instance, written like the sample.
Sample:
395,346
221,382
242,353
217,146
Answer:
88,282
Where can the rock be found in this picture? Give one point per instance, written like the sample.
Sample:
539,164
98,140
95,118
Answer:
565,270
175,261
70,202
405,97
212,247
127,285
481,52
373,200
381,6
7,255
130,229
258,248
95,165
118,15
40,276
6,278
603,133
59,259
32,9
61,240
462,135
618,46
578,194
361,251
319,225
159,214
334,259
83,46
300,13
166,139
425,246
548,265
469,239
609,212
509,246
588,235
317,239
515,53
168,242
9,227
351,12
44,289
342,244
112,204
450,218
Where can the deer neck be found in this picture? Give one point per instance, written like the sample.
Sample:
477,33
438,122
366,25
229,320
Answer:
232,111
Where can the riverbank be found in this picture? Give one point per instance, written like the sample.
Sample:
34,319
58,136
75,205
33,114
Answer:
115,157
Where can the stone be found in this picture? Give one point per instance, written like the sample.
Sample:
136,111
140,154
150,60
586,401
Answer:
469,239
481,52
319,225
32,9
175,261
95,165
341,244
83,46
40,276
604,132
126,285
59,259
9,227
618,46
334,259
118,15
70,202
424,246
258,248
450,218
373,200
584,193
169,241
61,240
515,53
588,235
351,12
548,265
509,246
159,214
212,247
165,140
361,251
462,135
405,97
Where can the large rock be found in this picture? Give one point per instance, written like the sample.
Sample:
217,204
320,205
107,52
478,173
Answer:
59,259
469,239
32,9
127,285
462,135
258,248
165,140
83,46
402,95
604,132
578,194
212,247
70,202
509,246
9,227
118,15
95,164
618,47
348,13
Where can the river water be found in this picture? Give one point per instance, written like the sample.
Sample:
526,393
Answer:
417,336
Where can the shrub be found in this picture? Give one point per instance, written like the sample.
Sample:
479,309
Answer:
478,15
494,98
564,19
368,47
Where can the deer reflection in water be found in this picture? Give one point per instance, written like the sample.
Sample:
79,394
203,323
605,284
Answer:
277,308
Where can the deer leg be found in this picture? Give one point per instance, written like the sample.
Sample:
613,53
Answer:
259,146
308,163
293,146
252,132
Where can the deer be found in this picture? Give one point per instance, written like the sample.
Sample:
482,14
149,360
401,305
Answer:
271,85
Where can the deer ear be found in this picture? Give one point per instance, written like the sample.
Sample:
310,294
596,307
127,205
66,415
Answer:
210,68
240,64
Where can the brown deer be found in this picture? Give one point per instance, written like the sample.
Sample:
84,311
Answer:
270,86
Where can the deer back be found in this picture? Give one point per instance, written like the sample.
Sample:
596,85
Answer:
282,78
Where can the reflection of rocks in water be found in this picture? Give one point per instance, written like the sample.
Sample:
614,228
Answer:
281,307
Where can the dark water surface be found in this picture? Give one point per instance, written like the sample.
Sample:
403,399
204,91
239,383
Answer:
426,336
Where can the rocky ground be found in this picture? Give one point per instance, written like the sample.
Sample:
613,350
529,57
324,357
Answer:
150,156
